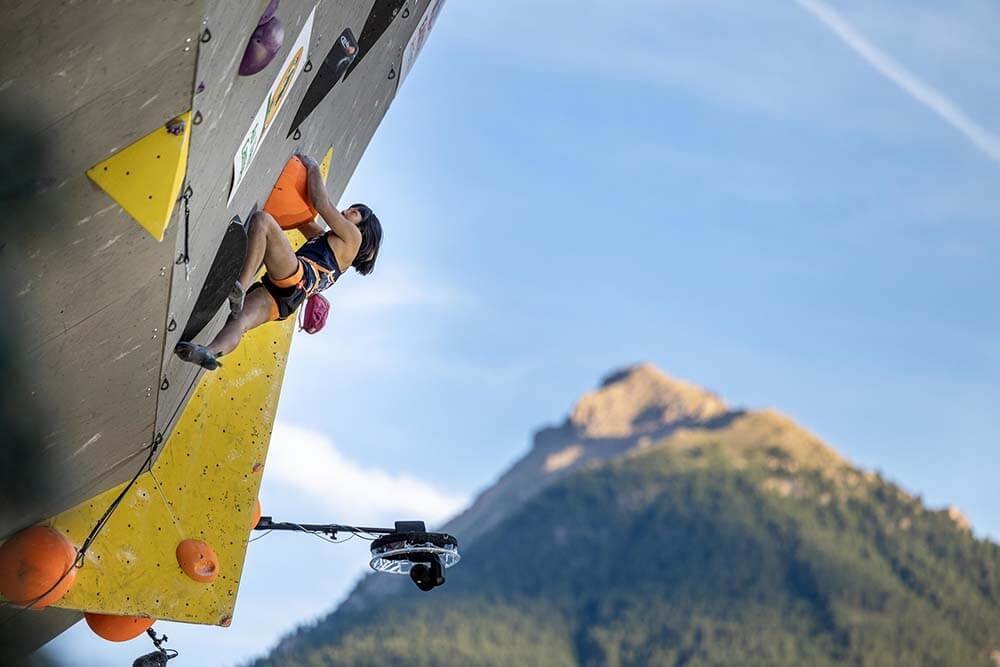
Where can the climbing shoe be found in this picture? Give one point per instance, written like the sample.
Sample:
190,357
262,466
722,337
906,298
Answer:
236,298
197,354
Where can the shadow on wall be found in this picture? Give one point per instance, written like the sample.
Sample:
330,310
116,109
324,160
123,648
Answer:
24,464
26,469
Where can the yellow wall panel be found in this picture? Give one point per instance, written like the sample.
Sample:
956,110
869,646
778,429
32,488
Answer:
203,486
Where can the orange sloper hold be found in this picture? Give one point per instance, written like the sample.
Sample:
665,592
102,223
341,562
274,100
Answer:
256,514
289,200
198,560
118,628
32,562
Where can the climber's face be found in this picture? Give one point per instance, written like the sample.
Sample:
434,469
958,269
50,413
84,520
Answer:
353,216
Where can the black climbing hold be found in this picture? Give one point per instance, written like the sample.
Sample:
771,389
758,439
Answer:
331,70
406,13
206,36
197,118
165,384
297,134
200,88
392,73
173,325
379,19
222,275
308,67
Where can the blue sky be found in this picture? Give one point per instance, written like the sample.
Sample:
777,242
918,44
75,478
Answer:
733,191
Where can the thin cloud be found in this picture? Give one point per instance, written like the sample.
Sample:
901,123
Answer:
309,462
979,136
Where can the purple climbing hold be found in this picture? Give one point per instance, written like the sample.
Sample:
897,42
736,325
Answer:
268,14
265,42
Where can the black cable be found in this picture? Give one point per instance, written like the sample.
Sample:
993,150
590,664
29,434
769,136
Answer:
158,658
259,537
315,533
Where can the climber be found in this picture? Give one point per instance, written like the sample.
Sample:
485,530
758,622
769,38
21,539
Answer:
353,239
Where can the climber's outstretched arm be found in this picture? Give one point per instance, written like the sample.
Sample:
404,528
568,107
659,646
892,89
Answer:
344,229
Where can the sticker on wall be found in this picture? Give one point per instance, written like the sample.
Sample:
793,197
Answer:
276,96
381,16
339,58
418,38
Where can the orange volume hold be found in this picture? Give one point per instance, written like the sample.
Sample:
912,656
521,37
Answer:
289,201
36,567
118,628
198,560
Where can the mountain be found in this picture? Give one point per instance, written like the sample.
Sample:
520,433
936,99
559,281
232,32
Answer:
658,526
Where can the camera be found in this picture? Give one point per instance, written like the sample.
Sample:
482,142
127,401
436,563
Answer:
408,548
428,576
411,550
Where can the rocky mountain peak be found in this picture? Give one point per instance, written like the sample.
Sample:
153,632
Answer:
642,399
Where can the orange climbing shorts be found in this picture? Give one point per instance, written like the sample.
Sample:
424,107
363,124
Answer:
287,294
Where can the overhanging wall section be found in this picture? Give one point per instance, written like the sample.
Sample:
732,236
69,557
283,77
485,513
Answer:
88,284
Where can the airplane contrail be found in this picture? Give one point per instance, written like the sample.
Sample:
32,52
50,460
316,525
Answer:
980,137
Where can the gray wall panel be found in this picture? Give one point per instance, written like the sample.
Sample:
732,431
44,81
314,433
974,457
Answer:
90,286
58,57
27,632
103,378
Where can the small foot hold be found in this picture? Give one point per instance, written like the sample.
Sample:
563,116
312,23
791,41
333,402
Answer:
197,354
236,298
176,126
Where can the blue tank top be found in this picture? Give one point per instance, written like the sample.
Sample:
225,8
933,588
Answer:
318,250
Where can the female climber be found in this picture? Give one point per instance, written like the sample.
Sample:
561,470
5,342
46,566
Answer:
353,239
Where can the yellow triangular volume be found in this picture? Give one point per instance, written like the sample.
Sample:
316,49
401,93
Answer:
145,178
324,166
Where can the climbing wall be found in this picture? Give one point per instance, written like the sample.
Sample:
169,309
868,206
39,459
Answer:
90,286
345,120
135,210
101,299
